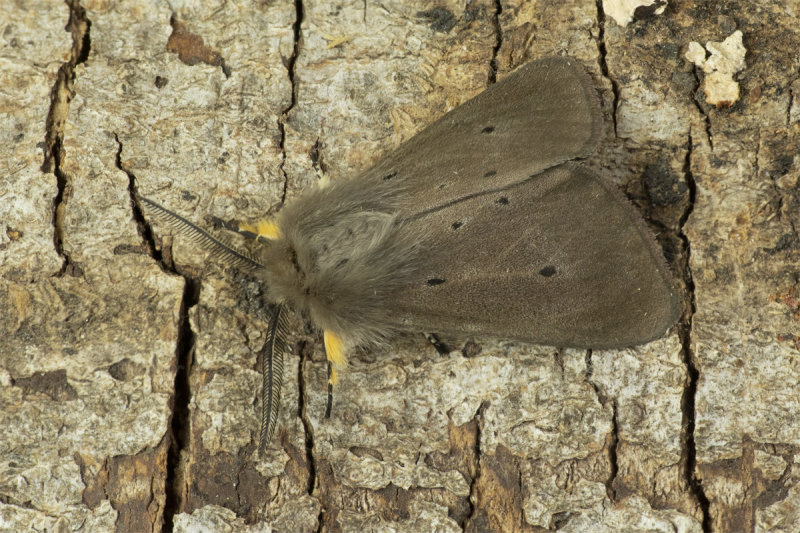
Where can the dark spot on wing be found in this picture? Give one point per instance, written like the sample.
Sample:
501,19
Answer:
487,129
390,175
490,174
342,262
548,271
442,186
457,225
435,281
502,200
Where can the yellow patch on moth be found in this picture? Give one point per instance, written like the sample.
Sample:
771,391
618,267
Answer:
263,228
334,350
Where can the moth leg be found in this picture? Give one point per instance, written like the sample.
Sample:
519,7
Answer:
334,352
263,229
329,401
437,343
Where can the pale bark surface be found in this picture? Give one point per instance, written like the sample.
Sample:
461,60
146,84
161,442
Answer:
129,359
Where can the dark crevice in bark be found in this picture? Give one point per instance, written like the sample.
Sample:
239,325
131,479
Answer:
476,467
179,420
696,96
688,400
60,97
612,441
302,413
603,60
612,454
498,41
290,64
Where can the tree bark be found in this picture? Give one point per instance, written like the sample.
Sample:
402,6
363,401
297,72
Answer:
130,359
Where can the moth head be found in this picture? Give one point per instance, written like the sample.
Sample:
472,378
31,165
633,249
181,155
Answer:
284,272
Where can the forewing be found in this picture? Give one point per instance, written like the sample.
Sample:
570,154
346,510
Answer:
562,259
541,115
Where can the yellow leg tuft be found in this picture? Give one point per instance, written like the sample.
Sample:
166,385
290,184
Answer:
334,350
264,228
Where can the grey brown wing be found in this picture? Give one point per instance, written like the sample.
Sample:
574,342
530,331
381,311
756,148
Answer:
562,259
541,115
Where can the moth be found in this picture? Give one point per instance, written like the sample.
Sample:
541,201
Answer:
484,224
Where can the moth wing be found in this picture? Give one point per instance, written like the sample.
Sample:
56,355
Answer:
547,110
562,259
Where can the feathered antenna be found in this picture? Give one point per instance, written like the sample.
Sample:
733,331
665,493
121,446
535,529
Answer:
277,329
272,375
225,252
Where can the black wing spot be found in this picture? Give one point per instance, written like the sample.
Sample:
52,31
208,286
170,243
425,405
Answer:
435,281
457,225
487,129
390,175
502,200
490,174
548,271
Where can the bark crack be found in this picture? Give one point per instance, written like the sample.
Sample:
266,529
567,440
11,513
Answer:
613,461
302,413
475,468
498,41
290,65
688,400
703,113
60,97
179,419
603,60
612,441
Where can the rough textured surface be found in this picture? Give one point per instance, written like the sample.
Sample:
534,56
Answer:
129,364
726,59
